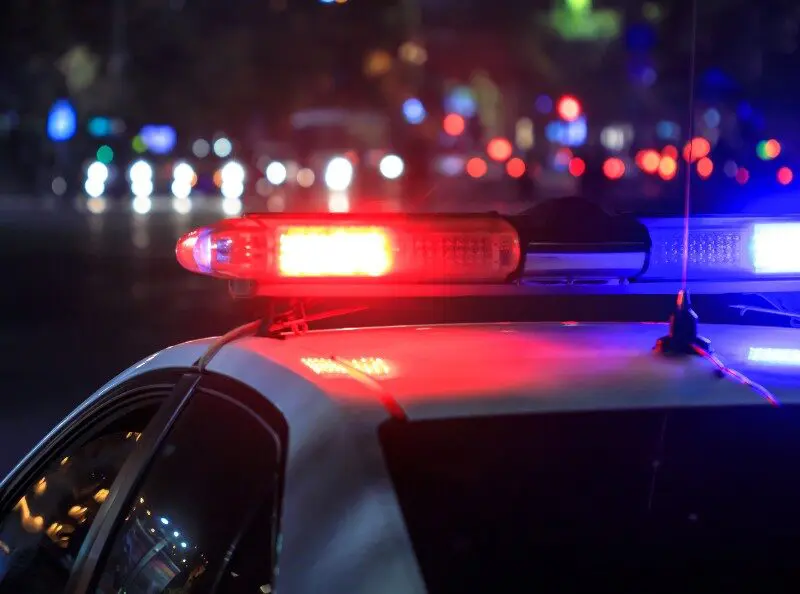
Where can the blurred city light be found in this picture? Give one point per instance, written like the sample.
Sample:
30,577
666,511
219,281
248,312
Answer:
670,151
696,149
391,167
141,178
524,133
785,176
232,190
742,175
232,176
231,206
476,167
232,172
648,160
413,53
138,145
306,177
184,173
59,186
180,188
62,121
182,205
667,167
454,124
499,149
705,167
461,101
768,149
378,63
613,168
94,187
562,158
515,167
569,108
339,174
201,148
159,140
96,205
544,104
451,165
223,147
338,202
184,178
142,205
572,133
276,173
100,127
577,167
668,130
414,111
140,170
105,154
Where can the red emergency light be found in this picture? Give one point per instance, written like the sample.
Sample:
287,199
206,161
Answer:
287,249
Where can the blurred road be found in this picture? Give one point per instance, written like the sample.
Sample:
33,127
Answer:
84,297
88,294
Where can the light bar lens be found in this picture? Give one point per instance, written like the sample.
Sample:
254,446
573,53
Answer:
776,248
726,249
279,249
334,251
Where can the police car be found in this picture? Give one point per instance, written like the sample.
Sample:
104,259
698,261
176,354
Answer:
508,457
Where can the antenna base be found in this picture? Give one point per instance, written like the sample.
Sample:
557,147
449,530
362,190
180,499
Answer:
669,345
683,338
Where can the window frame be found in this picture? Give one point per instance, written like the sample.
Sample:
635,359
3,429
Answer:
90,417
91,560
156,387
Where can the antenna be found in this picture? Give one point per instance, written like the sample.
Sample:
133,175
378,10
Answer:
682,338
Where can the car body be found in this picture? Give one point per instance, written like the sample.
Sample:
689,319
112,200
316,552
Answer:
339,525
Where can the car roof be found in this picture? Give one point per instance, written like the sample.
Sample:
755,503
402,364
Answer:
430,372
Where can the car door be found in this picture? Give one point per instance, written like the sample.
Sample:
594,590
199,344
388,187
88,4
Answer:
205,515
52,501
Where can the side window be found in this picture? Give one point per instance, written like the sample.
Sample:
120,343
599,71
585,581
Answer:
41,536
205,517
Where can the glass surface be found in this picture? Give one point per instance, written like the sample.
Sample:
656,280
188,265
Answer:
40,539
683,500
204,516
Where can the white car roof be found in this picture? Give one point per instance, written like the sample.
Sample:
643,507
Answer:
487,369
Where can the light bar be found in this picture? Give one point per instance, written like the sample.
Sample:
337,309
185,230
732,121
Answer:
272,250
584,262
724,248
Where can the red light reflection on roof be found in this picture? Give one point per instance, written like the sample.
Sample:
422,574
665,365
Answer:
372,366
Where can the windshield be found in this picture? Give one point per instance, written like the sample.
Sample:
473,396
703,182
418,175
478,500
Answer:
690,500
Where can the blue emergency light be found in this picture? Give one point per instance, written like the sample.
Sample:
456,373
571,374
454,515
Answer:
347,255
